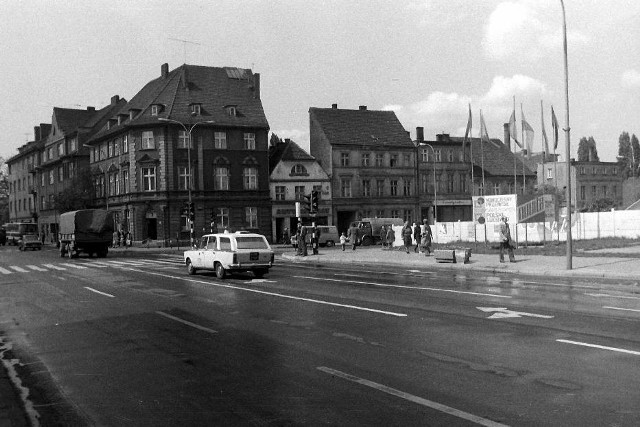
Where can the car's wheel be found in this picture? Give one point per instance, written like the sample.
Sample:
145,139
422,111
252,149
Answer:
20,248
260,272
220,271
330,243
190,269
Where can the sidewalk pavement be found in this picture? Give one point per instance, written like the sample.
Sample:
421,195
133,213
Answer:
582,267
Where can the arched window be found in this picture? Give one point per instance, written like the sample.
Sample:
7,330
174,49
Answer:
298,170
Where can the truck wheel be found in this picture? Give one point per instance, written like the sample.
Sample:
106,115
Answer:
329,243
190,269
102,253
220,271
366,241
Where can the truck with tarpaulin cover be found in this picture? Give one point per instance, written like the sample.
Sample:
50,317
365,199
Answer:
88,230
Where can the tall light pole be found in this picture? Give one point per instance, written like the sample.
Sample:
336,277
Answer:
188,128
567,131
435,184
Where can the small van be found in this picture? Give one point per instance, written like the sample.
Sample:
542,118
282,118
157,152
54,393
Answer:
328,235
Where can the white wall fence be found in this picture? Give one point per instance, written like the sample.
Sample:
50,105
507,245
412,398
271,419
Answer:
585,225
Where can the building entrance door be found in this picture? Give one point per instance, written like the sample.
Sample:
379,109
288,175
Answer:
152,228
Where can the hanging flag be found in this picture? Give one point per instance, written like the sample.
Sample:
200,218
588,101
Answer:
468,131
513,131
528,132
484,135
545,141
554,125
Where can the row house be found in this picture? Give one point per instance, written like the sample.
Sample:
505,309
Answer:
370,160
590,181
195,134
21,171
294,174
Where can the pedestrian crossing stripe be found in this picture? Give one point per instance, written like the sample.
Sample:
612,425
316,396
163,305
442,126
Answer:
53,267
35,268
4,271
18,269
84,265
79,267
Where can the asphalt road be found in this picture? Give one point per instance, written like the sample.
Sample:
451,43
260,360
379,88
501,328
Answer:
136,341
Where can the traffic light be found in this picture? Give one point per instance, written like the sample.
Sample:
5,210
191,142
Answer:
306,202
314,201
192,211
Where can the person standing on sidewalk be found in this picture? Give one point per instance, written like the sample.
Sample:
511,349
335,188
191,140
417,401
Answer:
391,236
417,236
406,235
383,237
505,240
343,241
353,236
426,237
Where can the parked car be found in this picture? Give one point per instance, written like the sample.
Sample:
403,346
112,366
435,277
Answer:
30,241
231,252
328,235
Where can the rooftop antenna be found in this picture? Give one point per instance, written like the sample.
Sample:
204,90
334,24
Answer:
184,46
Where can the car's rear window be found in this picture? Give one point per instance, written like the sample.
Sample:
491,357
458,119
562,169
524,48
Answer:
249,242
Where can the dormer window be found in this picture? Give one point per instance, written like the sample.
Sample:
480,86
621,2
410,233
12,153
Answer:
232,110
131,114
195,109
155,109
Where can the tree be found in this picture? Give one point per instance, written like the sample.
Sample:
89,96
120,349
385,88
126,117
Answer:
275,140
587,151
629,154
78,195
600,205
4,192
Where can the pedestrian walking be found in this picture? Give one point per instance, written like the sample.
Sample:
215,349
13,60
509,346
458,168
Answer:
426,237
303,240
285,236
505,240
353,236
343,241
406,235
114,243
391,236
417,236
383,237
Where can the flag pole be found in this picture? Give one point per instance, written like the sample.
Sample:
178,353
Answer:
524,149
482,151
515,147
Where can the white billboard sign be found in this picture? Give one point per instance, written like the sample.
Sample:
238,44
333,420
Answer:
490,209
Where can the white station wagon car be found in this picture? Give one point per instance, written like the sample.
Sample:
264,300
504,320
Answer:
231,252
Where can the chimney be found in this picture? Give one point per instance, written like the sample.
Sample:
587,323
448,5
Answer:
507,136
420,134
362,108
115,99
334,106
164,70
256,85
287,140
92,109
439,137
36,133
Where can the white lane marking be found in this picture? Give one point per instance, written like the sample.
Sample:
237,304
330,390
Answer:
186,322
79,267
98,292
54,267
504,313
412,398
35,268
611,296
384,285
18,269
622,309
273,294
97,264
601,347
5,271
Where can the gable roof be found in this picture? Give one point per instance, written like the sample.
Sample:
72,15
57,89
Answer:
69,120
214,88
360,127
287,151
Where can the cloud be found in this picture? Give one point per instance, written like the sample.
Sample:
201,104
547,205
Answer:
525,31
630,78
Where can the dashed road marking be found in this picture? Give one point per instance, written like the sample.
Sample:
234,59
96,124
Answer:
35,268
601,347
18,269
186,322
5,271
99,292
54,267
79,267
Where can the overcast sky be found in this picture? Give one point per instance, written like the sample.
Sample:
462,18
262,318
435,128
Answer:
426,60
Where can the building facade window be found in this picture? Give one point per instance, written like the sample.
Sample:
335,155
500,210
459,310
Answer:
249,141
299,191
583,192
379,187
344,159
112,184
407,215
125,181
345,187
220,140
424,183
366,188
393,160
407,187
379,160
125,144
395,213
195,109
183,139
450,156
251,216
366,160
222,217
298,170
73,145
147,140
51,177
109,149
594,192
149,178
61,149
424,154
437,155
221,177
496,189
184,178
280,192
250,178
155,109
407,160
393,185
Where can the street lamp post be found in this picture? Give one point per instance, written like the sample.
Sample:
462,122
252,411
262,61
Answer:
567,131
188,128
435,184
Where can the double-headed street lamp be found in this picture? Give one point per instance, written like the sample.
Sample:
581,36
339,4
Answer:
435,184
188,128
